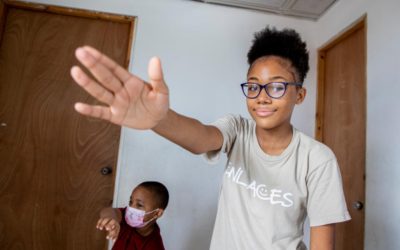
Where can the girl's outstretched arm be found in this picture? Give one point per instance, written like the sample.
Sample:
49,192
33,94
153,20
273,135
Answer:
130,101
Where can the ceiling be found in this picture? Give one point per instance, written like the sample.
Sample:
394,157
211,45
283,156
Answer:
310,9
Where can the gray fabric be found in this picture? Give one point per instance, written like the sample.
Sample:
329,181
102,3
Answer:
265,199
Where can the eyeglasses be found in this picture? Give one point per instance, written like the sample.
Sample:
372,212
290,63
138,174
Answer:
273,89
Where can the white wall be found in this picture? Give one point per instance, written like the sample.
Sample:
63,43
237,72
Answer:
383,114
203,49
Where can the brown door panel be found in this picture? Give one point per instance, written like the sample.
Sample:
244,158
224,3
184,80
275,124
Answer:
51,185
341,123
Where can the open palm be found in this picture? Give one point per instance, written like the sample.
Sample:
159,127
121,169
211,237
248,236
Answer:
129,101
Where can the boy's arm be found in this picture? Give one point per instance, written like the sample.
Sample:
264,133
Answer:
322,237
131,102
112,213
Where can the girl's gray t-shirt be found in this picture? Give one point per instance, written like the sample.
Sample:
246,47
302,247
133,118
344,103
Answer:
265,199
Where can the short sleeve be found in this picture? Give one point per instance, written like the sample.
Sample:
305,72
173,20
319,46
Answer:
326,203
228,126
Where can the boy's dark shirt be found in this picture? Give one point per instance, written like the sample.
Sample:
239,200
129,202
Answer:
130,239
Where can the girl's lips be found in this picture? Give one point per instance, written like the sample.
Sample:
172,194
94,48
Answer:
264,112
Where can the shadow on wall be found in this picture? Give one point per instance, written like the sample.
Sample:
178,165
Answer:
201,230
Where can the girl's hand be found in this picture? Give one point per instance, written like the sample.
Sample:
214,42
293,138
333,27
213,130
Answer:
129,101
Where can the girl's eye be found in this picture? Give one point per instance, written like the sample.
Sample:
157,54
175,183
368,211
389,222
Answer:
252,87
278,88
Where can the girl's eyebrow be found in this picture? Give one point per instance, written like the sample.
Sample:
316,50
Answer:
253,78
270,79
277,78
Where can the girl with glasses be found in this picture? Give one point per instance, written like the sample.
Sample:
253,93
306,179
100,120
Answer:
275,175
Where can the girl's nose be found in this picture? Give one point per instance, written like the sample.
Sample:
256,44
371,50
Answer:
263,97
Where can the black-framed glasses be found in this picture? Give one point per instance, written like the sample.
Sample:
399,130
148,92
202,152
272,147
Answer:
273,89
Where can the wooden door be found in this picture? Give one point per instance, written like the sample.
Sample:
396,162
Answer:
51,185
341,123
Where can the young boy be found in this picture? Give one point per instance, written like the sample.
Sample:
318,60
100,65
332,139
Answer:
134,227
275,175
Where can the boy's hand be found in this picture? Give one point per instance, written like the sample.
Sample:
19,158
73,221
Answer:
110,225
129,101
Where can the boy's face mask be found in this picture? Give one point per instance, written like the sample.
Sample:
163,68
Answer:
134,217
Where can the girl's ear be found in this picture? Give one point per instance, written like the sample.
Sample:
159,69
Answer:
301,94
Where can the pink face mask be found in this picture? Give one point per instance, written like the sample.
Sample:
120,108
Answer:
134,217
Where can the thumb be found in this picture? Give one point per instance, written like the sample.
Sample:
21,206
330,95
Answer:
156,76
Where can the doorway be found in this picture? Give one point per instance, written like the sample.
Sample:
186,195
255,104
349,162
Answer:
341,122
57,167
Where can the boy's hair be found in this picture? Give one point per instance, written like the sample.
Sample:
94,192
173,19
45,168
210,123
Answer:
159,190
286,44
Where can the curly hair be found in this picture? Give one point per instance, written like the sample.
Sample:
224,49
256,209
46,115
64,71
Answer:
159,190
285,43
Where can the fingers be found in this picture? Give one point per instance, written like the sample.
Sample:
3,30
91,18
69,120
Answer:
110,225
102,222
93,111
119,71
105,70
91,86
156,77
129,100
113,233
